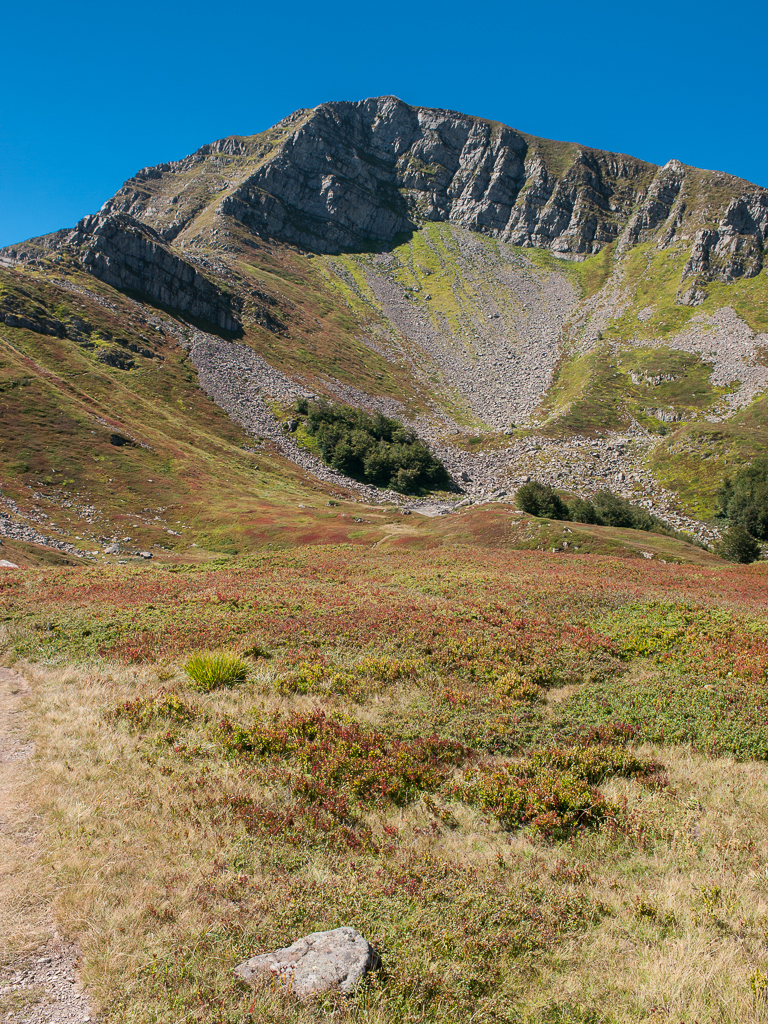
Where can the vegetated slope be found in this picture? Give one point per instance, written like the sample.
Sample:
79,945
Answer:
455,273
111,440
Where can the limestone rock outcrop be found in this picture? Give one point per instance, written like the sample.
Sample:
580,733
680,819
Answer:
354,176
349,176
129,255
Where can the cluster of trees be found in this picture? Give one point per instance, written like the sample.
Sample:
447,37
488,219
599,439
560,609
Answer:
605,508
743,500
372,448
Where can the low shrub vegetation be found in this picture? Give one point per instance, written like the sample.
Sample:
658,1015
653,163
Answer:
505,769
554,791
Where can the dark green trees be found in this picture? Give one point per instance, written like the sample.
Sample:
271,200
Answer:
541,500
605,508
372,448
738,545
744,499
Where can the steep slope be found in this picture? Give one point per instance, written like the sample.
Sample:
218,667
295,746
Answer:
442,268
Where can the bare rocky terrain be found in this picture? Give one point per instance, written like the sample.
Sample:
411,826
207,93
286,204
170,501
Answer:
499,358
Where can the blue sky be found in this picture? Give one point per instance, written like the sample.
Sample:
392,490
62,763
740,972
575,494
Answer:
94,91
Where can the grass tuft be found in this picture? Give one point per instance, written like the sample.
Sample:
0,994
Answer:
212,671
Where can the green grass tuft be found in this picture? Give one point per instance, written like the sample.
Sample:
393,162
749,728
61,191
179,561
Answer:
212,671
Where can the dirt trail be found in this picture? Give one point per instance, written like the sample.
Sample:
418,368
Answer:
41,985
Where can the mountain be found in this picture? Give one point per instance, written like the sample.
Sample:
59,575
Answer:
534,308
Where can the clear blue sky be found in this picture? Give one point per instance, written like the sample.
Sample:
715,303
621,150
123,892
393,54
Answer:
93,91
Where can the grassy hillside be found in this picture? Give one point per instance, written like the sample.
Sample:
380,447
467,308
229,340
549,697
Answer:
449,326
526,758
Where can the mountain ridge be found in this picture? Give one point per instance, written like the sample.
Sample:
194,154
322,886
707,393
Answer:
394,167
471,279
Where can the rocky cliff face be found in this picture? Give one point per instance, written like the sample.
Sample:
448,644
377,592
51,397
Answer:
130,256
349,177
352,176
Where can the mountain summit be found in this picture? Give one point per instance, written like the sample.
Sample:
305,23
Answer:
352,177
449,271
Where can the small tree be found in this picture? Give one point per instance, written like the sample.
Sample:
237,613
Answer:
738,545
541,500
613,510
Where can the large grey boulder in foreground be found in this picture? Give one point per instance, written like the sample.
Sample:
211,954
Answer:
336,960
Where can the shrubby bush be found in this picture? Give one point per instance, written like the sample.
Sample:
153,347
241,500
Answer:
580,511
738,545
372,448
611,510
604,509
541,500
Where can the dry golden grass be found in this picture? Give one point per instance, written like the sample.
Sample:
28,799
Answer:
132,877
24,917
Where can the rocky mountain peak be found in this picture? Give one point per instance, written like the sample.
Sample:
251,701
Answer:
360,176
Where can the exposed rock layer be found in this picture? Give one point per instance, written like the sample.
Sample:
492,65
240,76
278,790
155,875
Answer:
131,256
360,176
352,176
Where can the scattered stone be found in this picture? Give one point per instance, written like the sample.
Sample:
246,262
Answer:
335,960
5,564
113,549
145,554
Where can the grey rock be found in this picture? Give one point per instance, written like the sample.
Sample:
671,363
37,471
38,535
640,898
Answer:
145,554
114,357
29,322
356,173
335,960
113,549
130,255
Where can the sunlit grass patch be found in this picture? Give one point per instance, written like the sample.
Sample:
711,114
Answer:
211,671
